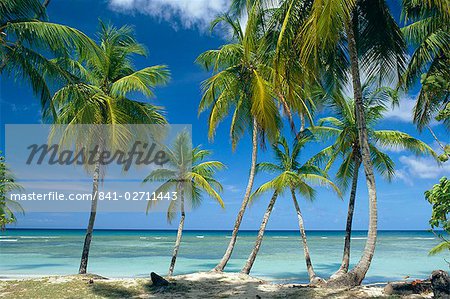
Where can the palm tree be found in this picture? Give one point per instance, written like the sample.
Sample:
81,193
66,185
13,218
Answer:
242,83
99,96
7,206
343,129
25,35
189,176
356,35
294,177
428,30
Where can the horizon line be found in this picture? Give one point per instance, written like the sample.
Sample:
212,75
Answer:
223,230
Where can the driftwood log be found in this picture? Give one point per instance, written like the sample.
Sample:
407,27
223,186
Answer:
408,287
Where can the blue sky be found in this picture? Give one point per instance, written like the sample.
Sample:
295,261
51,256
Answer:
175,32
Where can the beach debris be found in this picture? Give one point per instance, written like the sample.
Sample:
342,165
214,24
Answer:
440,283
158,281
408,287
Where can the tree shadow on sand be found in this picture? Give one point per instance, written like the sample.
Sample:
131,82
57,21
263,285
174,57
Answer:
108,290
212,285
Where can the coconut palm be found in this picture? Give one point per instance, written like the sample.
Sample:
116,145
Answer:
241,85
344,131
100,96
8,207
293,177
189,175
428,31
26,41
362,35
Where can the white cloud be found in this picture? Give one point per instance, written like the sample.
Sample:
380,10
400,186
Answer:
403,112
402,175
184,13
232,188
423,168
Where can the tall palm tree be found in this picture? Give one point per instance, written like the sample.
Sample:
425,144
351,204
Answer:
294,177
362,35
343,130
297,86
189,175
242,83
8,207
27,40
428,31
99,96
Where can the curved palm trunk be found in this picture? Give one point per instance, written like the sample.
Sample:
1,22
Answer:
302,123
348,229
309,267
251,259
226,257
357,274
179,235
437,140
90,228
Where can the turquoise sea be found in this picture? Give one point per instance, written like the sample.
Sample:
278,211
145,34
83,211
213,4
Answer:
137,253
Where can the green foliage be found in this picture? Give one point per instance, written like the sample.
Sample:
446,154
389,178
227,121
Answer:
428,31
380,44
241,83
104,80
187,173
444,116
343,130
445,245
445,156
7,206
439,198
25,35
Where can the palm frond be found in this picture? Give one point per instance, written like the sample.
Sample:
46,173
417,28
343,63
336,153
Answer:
141,81
445,245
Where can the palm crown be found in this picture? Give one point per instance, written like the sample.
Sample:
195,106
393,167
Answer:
343,129
242,80
188,174
100,94
105,80
291,174
25,34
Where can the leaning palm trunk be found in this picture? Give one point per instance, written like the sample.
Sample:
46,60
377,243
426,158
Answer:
251,259
313,279
90,228
179,235
437,140
357,274
244,204
348,229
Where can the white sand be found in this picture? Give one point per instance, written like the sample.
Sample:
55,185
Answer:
196,285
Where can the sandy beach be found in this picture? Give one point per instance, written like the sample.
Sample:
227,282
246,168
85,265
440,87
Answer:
196,285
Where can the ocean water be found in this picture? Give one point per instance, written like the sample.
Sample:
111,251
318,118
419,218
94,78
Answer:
137,253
